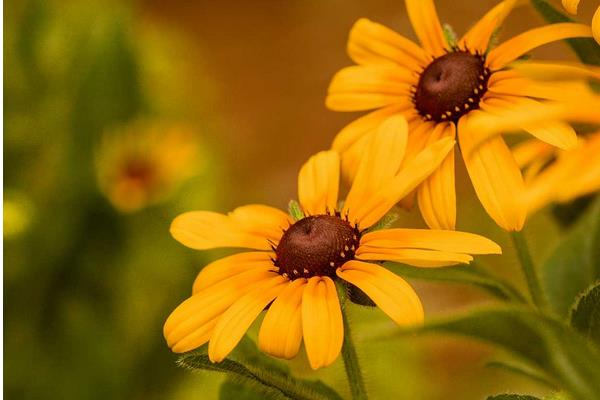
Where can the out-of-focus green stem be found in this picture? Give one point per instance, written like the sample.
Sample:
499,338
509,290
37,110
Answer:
533,282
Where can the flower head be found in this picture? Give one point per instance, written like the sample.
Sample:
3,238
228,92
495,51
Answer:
141,164
294,264
439,87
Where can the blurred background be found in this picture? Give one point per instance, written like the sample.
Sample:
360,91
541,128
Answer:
119,115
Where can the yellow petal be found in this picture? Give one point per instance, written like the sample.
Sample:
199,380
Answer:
230,266
478,37
410,176
532,150
281,331
556,133
251,226
415,257
379,164
554,70
373,43
432,239
322,324
495,176
318,183
426,25
390,292
570,6
437,194
525,87
234,323
596,25
360,87
521,44
191,323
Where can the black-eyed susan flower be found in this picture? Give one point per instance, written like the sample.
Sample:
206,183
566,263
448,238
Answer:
142,163
439,86
571,7
295,263
559,176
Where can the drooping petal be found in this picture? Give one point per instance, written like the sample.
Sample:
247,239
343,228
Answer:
410,176
359,87
192,323
322,325
478,37
521,44
437,194
372,43
525,87
570,6
431,239
556,133
234,323
380,162
230,266
281,331
251,226
426,25
554,70
390,292
495,176
415,257
596,25
318,183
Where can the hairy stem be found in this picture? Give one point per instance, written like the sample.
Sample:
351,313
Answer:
533,282
353,372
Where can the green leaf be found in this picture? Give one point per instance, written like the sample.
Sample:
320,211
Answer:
544,343
295,210
512,396
464,274
521,369
575,263
249,367
585,314
586,49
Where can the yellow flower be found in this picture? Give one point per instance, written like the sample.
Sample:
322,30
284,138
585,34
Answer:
295,264
439,88
571,7
553,175
142,164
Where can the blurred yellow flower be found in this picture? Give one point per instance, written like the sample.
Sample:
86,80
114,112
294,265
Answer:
553,175
296,263
439,87
571,7
17,213
142,164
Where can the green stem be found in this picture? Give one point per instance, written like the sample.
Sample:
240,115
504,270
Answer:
533,282
353,372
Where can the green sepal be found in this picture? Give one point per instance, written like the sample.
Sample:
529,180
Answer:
386,221
357,296
295,210
585,313
450,36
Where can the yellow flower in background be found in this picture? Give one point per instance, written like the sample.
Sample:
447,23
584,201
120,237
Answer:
439,88
295,264
142,164
571,7
553,175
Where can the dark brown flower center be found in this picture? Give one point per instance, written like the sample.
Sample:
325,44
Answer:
451,86
316,246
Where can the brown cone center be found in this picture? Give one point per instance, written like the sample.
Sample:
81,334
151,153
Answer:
316,246
451,86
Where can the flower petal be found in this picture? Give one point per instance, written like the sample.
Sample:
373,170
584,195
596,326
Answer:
358,87
478,37
553,70
281,331
191,324
234,323
495,176
373,43
570,6
596,25
521,44
251,226
415,257
390,292
437,194
410,176
426,25
379,164
322,324
227,267
431,239
318,183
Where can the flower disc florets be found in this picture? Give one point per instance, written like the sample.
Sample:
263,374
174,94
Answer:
451,86
316,246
